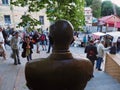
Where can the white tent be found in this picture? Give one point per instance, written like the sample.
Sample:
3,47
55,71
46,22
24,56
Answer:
97,35
115,35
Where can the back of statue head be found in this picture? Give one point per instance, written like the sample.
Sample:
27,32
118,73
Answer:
60,70
61,33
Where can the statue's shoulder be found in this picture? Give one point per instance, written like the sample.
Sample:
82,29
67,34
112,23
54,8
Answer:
83,63
82,60
35,62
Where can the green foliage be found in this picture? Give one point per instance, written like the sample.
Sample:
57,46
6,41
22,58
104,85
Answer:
28,22
72,10
88,2
118,10
96,7
106,8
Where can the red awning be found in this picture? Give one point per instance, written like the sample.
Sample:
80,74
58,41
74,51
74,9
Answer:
117,25
110,20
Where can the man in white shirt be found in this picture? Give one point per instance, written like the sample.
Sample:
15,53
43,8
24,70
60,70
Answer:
100,49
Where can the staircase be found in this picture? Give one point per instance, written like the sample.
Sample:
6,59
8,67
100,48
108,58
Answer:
102,81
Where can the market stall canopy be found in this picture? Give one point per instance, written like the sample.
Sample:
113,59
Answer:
97,35
115,35
110,20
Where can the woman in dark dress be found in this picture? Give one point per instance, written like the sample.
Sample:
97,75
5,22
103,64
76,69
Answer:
27,48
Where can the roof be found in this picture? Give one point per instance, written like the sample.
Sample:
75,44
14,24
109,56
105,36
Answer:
111,20
97,35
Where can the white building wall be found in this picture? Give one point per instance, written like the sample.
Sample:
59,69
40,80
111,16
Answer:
16,14
88,16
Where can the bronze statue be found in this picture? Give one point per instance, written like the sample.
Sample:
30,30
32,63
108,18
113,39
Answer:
59,71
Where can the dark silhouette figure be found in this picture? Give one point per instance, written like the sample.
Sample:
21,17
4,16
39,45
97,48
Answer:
59,71
50,39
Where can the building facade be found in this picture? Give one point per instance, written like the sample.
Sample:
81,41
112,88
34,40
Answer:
10,16
88,16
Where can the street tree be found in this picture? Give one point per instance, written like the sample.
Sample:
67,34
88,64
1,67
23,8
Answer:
107,8
96,7
72,10
88,2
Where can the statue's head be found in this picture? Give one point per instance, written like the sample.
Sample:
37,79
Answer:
61,33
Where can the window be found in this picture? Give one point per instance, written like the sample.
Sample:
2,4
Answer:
41,19
5,2
7,19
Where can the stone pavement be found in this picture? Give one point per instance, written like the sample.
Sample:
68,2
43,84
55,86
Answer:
12,76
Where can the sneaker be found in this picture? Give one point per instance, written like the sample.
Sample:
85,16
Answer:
99,69
38,52
15,63
19,62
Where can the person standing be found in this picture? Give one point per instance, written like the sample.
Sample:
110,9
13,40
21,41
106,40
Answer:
43,41
113,48
27,48
2,44
100,49
85,40
91,51
36,37
50,44
50,39
118,44
15,47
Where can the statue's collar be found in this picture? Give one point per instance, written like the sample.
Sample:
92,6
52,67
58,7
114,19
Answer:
61,55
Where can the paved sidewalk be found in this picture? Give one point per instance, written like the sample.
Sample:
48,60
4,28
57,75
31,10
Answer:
12,76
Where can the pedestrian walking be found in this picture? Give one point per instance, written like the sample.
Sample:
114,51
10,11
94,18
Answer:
15,41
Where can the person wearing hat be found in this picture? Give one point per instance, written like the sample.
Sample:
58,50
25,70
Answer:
15,47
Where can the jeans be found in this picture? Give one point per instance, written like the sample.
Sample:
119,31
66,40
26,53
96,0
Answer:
16,56
98,63
29,57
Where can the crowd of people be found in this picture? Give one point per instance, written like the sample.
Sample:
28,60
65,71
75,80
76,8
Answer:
27,39
95,50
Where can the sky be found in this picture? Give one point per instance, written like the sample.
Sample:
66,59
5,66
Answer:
117,2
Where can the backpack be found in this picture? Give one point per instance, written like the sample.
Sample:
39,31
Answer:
92,53
42,37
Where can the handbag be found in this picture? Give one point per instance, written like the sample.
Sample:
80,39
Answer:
23,54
